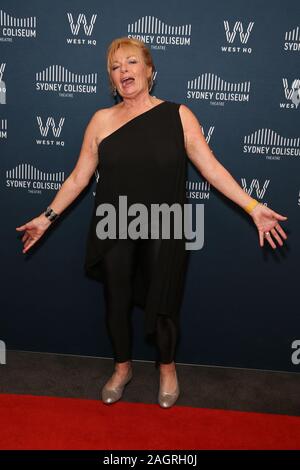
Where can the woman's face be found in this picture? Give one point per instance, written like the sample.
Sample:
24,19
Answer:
129,63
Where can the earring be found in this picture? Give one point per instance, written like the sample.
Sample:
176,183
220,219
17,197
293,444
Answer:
114,92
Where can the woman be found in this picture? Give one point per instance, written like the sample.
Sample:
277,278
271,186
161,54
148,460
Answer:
156,135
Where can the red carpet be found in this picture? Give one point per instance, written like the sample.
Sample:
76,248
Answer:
34,422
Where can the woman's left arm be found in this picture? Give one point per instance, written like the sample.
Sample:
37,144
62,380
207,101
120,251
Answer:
199,152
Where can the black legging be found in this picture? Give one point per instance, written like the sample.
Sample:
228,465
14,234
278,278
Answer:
120,263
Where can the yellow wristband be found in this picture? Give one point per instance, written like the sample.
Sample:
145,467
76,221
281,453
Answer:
251,205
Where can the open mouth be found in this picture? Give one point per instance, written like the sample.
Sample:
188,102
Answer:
127,81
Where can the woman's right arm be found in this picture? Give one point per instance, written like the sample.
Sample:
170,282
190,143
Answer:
71,188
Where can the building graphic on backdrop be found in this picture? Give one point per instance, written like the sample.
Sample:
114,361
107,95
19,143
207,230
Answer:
270,144
26,176
81,29
197,189
12,27
210,87
57,78
158,34
237,37
292,40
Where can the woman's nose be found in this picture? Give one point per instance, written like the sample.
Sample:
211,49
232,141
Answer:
123,67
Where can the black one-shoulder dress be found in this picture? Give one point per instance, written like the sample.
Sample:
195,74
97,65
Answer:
145,159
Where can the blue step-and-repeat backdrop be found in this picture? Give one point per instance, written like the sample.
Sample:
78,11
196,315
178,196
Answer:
236,65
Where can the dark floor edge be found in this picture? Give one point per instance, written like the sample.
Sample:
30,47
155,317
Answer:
190,364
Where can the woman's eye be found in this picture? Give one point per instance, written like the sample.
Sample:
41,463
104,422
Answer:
132,60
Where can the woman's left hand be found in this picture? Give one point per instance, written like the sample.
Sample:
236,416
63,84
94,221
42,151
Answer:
266,221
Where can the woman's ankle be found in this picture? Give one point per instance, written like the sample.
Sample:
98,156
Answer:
123,366
165,368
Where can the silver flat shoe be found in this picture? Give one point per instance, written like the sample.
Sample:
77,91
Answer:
111,395
166,399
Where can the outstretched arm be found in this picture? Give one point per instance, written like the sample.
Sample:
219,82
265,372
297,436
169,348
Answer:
75,183
199,152
84,169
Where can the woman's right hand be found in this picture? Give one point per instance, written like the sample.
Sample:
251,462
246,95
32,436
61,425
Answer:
34,230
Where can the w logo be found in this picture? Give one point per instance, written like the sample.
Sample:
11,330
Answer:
88,29
2,68
292,93
50,123
230,35
255,186
209,133
2,85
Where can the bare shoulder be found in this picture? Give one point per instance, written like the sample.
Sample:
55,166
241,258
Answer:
99,121
187,116
101,114
191,126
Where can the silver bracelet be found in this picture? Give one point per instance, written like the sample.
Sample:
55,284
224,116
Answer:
50,214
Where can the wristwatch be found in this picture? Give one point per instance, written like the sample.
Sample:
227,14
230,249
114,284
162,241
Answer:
50,214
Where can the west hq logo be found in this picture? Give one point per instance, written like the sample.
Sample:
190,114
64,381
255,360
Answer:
2,352
55,128
81,29
237,37
159,35
291,93
255,188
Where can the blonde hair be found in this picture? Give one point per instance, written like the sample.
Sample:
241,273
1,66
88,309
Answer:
128,42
